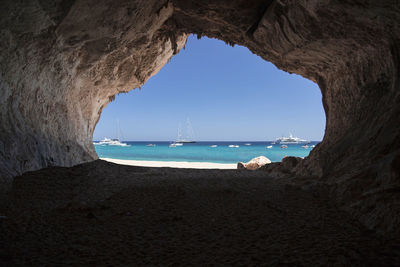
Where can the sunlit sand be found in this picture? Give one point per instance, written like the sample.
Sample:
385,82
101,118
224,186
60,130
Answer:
173,164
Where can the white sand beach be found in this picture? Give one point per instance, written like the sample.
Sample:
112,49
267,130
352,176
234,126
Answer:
173,164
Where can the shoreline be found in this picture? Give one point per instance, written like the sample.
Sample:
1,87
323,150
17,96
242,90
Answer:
173,164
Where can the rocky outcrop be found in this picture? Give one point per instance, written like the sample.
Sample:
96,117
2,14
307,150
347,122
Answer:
254,164
62,62
284,169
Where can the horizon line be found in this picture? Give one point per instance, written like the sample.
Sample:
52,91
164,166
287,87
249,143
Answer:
205,140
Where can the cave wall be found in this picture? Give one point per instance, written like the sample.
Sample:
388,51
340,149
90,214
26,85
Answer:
351,50
63,61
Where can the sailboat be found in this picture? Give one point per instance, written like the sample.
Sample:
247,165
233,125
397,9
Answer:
189,135
179,137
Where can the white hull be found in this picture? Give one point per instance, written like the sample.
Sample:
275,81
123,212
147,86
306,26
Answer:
293,142
110,142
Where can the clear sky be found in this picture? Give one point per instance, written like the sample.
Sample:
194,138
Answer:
228,93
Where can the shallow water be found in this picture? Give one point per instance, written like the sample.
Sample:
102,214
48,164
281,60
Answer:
201,151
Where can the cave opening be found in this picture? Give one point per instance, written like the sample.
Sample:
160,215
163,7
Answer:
231,96
62,62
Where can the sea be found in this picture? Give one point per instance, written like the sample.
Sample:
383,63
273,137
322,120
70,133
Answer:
202,151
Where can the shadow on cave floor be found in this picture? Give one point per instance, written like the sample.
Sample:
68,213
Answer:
101,213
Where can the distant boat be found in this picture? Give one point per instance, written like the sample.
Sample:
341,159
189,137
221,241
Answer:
284,146
151,145
248,144
305,146
115,141
233,146
213,146
175,144
189,134
111,142
269,147
291,140
273,143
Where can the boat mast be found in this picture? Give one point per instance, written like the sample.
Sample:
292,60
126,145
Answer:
189,130
179,138
118,129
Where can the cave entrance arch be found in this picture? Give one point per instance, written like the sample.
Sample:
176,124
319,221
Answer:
229,93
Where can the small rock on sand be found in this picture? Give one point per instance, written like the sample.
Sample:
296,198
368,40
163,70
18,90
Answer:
254,164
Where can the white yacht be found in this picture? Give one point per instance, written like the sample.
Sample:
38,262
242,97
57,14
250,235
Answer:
233,146
269,147
291,140
111,142
213,146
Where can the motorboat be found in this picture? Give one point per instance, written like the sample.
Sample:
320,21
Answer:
233,146
111,142
284,146
269,147
305,146
291,140
175,144
151,145
248,144
213,146
116,142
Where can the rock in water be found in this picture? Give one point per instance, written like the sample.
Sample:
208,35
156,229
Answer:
254,164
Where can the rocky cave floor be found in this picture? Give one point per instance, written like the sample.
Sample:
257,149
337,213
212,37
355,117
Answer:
103,214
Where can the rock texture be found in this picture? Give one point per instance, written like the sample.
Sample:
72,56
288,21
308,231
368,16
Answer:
284,169
62,61
254,164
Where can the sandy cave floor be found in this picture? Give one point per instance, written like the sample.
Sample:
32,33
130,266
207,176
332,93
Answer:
103,214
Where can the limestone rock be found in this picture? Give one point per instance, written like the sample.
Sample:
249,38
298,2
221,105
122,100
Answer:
254,164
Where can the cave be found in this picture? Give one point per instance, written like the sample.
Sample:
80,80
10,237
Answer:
63,61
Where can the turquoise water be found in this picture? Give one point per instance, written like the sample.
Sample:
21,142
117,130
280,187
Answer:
201,151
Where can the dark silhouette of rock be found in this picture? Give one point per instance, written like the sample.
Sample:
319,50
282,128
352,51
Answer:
289,163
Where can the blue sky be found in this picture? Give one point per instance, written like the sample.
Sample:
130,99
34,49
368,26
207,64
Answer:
228,93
